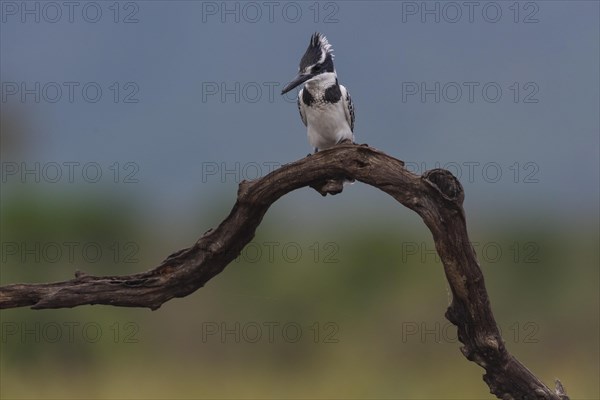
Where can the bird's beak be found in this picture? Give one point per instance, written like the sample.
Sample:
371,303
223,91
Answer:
298,80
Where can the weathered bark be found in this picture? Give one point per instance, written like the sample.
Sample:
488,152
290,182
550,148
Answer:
437,196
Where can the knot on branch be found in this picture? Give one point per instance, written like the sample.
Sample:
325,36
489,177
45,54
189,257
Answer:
484,350
243,188
80,275
329,186
445,183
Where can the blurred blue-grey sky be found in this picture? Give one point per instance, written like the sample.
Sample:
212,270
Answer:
190,90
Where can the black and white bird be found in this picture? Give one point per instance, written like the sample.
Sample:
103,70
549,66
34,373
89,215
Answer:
325,106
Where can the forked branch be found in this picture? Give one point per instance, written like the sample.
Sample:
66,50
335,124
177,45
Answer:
437,196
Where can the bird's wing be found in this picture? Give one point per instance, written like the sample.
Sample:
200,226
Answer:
348,107
301,107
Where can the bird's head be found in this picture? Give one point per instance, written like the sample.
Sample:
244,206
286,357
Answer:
317,60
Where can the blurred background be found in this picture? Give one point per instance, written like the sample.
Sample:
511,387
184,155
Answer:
126,128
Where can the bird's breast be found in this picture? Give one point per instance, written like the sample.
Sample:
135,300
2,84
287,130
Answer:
327,125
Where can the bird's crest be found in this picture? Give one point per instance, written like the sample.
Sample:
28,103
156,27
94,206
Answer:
319,40
317,51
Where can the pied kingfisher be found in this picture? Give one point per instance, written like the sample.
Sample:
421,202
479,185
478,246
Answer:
325,106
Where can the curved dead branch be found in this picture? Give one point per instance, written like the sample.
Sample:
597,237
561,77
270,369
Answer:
437,196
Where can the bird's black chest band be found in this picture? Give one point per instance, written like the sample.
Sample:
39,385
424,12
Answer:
333,94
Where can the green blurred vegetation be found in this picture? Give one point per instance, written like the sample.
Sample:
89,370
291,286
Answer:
369,297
